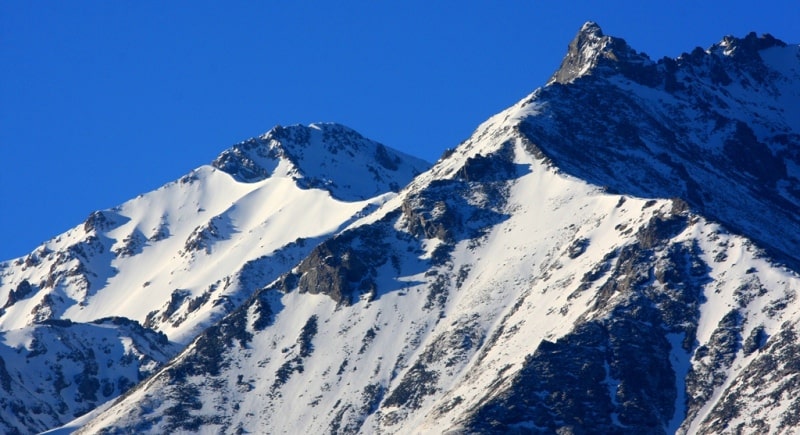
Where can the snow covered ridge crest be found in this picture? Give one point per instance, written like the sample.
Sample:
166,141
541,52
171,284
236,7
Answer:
324,155
615,253
176,260
537,279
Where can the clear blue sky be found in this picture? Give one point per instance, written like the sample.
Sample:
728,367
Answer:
104,100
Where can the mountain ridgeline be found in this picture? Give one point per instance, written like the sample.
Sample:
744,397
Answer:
615,253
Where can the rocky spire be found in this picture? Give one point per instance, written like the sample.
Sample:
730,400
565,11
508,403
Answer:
591,49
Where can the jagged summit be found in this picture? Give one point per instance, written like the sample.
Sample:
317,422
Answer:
748,46
706,132
589,260
591,49
593,53
327,156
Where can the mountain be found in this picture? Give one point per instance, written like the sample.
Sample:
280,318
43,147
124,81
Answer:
615,253
172,262
718,128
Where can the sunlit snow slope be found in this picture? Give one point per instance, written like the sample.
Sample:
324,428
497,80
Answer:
581,264
179,258
616,253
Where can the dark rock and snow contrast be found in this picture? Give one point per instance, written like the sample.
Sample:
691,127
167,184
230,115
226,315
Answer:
176,260
615,253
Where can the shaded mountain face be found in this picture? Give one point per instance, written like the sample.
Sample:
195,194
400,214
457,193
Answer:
615,253
718,128
176,260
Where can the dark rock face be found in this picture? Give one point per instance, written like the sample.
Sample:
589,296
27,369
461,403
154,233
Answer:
386,160
23,290
768,383
581,52
242,167
591,50
102,221
463,207
635,146
204,236
712,361
344,267
612,374
132,244
753,157
755,341
498,166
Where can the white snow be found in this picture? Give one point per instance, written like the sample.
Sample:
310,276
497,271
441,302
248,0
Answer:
508,290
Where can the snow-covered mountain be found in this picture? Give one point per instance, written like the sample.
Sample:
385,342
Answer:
718,128
177,259
616,253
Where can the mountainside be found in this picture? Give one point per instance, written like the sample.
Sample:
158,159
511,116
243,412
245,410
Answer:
616,253
718,128
178,259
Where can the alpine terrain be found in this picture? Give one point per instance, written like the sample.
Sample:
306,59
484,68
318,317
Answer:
94,311
618,252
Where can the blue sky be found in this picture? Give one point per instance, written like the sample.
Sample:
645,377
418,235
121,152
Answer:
103,100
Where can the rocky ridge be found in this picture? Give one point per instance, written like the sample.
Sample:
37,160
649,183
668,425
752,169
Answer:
178,259
579,264
614,253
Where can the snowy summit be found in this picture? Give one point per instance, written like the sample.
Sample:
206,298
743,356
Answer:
615,253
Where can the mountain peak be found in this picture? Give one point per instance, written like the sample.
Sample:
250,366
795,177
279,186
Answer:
748,46
592,50
536,279
582,54
327,156
591,28
290,141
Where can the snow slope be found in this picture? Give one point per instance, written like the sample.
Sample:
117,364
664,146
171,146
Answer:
181,257
615,253
432,340
173,258
317,352
553,272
